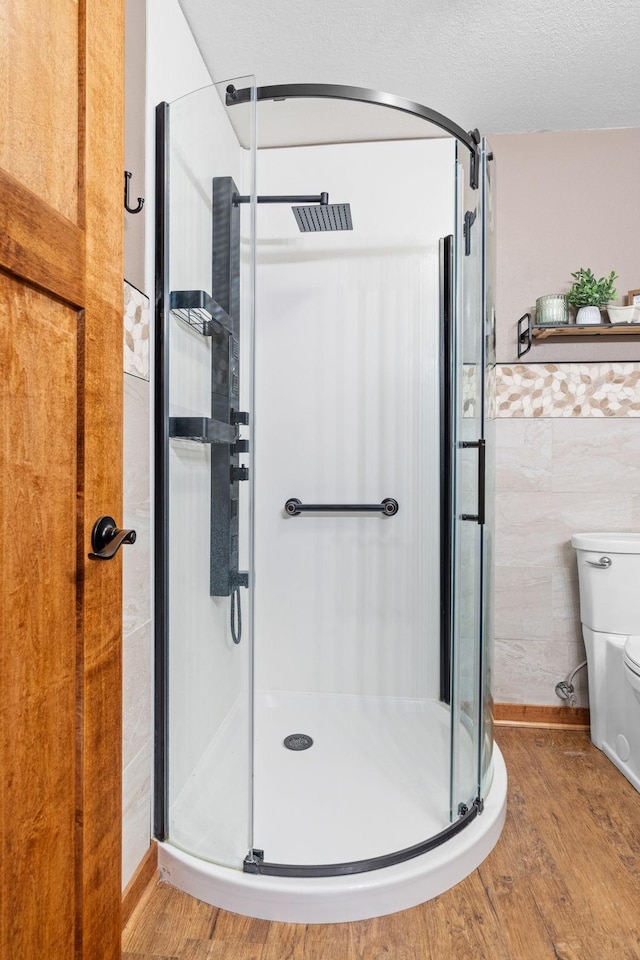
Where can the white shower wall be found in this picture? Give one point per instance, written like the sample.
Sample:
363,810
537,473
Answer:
347,411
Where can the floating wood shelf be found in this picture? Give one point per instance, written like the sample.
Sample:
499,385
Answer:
586,330
528,332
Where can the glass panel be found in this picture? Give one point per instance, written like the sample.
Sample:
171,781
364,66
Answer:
489,360
466,533
210,344
347,603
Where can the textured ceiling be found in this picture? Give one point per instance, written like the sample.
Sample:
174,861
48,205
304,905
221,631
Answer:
503,66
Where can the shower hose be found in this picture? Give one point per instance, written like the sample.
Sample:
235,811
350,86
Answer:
236,616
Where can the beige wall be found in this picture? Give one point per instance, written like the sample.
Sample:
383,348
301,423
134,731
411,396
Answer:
568,429
564,201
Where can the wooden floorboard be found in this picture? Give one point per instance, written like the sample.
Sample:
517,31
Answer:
563,883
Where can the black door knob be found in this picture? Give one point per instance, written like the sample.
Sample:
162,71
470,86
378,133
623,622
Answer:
106,539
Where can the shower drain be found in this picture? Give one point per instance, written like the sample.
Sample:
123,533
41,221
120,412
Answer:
298,741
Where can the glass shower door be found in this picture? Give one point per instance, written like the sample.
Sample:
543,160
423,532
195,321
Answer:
347,597
204,473
468,493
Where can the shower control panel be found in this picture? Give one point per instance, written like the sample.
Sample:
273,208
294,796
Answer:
216,317
227,471
222,432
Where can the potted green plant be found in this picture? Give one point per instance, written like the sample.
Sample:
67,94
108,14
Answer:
589,294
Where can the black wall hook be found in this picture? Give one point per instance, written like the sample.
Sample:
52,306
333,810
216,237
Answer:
127,177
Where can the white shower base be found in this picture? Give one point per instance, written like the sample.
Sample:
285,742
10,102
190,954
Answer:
374,781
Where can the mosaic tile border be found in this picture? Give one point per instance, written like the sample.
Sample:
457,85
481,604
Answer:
568,390
136,332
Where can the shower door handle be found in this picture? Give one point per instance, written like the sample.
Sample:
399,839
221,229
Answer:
482,466
106,539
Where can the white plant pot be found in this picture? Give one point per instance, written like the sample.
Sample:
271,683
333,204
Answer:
622,314
588,315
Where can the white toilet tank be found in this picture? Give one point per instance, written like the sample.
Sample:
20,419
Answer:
609,573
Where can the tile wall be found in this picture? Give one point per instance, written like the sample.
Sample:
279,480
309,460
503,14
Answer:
136,614
568,460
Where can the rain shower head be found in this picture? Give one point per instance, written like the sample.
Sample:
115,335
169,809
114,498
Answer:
316,216
323,216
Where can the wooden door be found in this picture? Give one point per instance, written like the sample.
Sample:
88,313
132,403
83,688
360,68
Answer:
61,94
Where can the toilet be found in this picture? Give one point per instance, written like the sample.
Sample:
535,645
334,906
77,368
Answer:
632,664
609,578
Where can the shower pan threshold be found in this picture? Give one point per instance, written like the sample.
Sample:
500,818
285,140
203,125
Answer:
345,898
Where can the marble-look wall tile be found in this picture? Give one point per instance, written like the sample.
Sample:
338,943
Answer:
525,530
523,602
527,671
136,821
523,455
136,440
596,455
136,581
565,602
535,529
595,511
136,332
568,390
136,568
469,389
536,584
137,660
136,505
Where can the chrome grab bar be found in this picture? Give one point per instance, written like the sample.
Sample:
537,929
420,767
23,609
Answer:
604,563
388,507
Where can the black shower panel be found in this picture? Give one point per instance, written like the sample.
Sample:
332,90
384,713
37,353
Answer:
226,470
218,318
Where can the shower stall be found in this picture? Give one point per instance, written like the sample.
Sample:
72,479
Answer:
324,363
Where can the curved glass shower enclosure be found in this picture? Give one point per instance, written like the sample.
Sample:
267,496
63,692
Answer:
324,490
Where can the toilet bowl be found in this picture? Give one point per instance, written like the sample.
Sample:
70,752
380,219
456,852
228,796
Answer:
609,575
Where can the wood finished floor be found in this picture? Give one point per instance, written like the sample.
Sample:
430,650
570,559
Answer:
563,883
